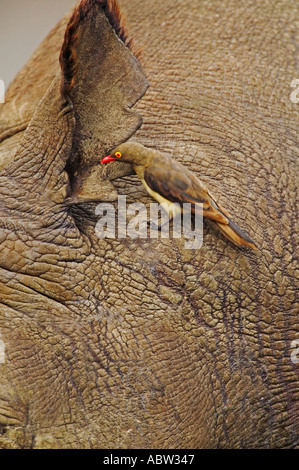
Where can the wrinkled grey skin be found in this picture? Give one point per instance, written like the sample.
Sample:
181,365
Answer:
140,343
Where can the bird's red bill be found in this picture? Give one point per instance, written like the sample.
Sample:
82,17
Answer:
108,159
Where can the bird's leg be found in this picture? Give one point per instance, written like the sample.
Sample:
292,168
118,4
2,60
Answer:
160,226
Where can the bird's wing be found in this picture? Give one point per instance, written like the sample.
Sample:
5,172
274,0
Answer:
176,183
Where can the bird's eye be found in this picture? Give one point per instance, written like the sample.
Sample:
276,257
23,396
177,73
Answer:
118,154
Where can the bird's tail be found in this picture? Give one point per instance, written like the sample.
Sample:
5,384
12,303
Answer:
222,219
233,232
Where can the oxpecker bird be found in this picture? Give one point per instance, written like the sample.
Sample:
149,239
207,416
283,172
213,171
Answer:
167,181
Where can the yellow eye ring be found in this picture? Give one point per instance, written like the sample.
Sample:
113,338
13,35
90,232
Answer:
118,154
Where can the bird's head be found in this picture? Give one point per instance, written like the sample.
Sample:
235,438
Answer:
130,152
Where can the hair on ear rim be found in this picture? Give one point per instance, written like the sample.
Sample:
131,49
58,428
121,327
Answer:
68,53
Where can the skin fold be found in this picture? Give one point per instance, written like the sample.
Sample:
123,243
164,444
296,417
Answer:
140,343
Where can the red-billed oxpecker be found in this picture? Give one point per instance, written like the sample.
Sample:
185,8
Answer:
167,181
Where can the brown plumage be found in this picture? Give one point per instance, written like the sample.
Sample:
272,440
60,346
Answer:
167,181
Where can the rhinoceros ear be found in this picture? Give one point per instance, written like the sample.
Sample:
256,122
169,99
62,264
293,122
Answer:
86,111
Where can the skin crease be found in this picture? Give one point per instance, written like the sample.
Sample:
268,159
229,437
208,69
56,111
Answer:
141,343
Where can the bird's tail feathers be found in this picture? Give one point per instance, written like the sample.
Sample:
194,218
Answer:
233,232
